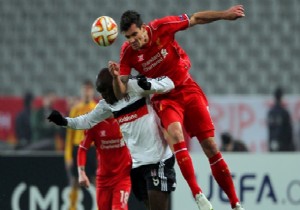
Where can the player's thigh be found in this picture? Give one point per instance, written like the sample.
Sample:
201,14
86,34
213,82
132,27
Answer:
169,110
138,183
121,194
104,198
197,121
159,200
171,114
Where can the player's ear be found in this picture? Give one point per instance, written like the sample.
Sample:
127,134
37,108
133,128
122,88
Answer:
143,27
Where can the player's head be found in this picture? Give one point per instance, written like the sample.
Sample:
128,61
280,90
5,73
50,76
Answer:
278,93
28,99
49,98
226,138
87,90
134,30
104,85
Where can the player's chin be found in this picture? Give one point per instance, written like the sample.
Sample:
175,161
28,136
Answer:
135,46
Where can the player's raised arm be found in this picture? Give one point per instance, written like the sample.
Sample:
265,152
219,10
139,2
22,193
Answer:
86,121
119,82
209,16
149,86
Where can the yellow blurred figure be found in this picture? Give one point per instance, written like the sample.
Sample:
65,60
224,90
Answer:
85,104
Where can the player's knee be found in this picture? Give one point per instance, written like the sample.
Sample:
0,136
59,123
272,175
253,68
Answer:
175,132
209,147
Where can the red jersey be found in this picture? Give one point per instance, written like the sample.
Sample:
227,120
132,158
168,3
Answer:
162,56
114,160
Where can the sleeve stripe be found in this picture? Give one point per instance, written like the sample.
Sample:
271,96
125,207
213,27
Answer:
83,147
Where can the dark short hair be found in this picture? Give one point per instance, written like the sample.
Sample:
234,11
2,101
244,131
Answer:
104,79
28,98
130,17
278,93
226,138
88,82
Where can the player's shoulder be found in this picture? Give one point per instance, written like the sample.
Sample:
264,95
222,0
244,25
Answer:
125,47
102,103
156,23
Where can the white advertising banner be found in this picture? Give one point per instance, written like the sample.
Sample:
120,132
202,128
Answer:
245,118
263,182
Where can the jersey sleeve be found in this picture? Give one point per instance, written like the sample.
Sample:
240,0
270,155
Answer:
89,120
85,144
158,85
125,68
171,24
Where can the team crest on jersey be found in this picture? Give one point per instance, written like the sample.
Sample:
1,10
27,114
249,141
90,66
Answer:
164,53
140,58
102,133
181,17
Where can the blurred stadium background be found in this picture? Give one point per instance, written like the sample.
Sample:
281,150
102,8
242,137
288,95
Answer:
47,45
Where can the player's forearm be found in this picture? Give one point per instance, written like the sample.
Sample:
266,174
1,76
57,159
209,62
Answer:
161,85
204,17
86,121
120,87
81,158
81,169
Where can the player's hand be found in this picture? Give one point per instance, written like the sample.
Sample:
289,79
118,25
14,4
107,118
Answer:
83,179
234,12
143,82
57,118
114,68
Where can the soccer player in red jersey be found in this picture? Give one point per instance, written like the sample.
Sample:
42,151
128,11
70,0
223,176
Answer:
152,50
114,164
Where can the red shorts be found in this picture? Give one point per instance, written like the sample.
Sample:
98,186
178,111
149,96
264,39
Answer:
115,197
188,105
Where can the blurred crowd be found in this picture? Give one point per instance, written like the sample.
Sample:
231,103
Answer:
34,132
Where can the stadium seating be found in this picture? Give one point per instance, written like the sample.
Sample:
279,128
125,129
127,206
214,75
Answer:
47,44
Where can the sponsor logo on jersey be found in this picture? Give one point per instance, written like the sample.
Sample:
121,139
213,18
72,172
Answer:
112,143
128,118
133,116
152,62
132,112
